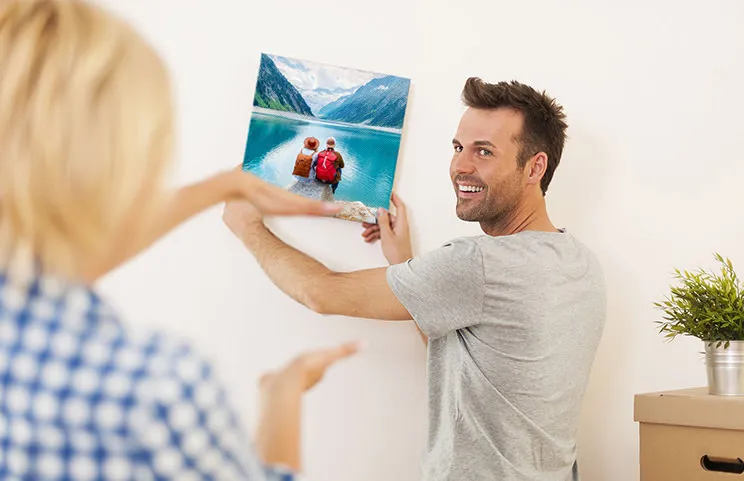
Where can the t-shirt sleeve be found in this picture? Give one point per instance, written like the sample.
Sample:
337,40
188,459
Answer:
443,289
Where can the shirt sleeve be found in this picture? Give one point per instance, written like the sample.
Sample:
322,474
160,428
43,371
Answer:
443,289
188,430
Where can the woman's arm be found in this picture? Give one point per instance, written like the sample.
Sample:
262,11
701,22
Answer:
279,428
197,197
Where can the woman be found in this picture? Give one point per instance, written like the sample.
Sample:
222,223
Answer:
85,143
303,171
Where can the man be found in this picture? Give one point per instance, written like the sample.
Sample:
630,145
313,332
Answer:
513,317
327,165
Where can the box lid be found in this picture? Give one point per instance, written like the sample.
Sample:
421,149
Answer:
690,407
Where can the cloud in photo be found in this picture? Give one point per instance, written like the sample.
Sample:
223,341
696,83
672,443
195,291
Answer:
321,84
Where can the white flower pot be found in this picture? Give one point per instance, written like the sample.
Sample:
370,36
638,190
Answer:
725,368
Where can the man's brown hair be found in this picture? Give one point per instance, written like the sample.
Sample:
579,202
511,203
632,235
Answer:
544,128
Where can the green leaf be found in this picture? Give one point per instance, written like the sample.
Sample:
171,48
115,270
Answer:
708,305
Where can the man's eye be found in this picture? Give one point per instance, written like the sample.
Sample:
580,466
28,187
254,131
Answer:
458,148
484,152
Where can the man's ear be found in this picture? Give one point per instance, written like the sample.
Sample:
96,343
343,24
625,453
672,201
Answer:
537,166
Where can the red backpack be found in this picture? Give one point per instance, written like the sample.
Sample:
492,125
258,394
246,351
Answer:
325,171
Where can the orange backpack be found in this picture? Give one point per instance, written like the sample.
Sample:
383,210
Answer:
302,165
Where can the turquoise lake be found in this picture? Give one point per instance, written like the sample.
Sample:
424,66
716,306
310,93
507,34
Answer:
370,156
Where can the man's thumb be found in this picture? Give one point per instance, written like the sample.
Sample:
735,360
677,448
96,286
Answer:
384,221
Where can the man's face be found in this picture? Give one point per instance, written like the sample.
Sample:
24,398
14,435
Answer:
488,181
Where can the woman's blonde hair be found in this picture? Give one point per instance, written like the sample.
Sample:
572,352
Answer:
85,131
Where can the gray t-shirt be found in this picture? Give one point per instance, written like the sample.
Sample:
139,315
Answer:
513,325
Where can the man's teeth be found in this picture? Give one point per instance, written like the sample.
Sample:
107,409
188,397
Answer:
470,188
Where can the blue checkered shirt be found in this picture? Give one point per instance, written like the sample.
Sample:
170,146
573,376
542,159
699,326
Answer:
83,397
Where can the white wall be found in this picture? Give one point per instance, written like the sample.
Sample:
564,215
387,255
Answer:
649,180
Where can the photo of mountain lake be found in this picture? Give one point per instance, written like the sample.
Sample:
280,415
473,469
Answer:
327,132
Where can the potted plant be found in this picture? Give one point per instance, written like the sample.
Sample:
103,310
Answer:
710,307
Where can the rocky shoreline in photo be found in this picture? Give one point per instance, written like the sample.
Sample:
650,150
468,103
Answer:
353,211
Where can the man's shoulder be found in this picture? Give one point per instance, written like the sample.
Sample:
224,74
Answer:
454,258
534,242
468,247
543,251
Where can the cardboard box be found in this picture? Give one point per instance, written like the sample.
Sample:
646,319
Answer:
689,435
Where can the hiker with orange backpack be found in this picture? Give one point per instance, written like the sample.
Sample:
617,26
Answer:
328,164
303,168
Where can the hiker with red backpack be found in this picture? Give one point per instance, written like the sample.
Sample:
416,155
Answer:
328,164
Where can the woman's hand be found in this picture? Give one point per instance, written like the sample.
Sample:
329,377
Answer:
278,435
270,199
307,369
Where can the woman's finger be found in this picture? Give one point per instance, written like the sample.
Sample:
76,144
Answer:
340,352
295,204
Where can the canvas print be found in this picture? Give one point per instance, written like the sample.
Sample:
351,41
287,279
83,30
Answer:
327,132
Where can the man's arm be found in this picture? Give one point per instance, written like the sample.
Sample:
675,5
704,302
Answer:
393,231
364,294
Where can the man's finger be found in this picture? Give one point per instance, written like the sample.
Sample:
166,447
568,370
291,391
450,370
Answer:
371,235
375,229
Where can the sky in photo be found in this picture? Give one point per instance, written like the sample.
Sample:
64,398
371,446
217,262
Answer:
321,84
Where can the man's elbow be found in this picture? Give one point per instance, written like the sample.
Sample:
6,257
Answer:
315,302
319,306
320,297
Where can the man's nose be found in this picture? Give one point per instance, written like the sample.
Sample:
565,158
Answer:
463,164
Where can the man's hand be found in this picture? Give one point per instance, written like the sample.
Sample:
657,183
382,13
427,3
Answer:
393,231
241,217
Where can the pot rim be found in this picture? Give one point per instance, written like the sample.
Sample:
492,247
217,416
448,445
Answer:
734,346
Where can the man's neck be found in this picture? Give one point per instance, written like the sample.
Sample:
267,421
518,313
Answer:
529,216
